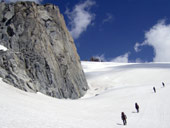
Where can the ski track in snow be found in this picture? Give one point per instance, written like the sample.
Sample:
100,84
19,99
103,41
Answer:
114,88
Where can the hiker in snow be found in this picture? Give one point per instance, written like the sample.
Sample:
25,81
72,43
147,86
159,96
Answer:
137,107
124,117
154,89
163,84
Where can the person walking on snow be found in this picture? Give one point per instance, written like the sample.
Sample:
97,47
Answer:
154,89
137,107
163,84
124,117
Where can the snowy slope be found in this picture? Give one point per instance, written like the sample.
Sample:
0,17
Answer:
114,88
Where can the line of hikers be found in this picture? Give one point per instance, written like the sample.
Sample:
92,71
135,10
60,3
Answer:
154,89
123,115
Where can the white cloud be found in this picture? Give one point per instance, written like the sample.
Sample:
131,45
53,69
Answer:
138,45
109,18
122,59
138,60
159,38
80,18
37,1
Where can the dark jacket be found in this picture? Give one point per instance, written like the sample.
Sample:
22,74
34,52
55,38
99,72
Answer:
136,106
123,116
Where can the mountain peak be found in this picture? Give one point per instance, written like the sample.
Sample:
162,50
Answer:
41,55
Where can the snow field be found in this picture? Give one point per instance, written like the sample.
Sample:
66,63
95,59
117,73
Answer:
114,88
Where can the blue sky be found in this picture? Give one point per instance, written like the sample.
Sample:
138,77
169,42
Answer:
118,30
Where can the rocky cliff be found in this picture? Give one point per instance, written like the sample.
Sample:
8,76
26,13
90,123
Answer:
41,55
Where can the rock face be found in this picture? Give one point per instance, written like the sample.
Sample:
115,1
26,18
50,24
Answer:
41,55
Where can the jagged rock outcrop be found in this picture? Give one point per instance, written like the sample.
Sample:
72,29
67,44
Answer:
96,59
41,54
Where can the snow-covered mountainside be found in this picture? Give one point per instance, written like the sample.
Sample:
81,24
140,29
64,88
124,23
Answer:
114,88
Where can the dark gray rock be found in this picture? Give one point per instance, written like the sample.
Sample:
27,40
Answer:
41,54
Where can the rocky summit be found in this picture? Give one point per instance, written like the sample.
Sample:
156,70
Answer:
41,55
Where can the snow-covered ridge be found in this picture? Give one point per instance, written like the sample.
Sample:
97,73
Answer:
114,88
104,75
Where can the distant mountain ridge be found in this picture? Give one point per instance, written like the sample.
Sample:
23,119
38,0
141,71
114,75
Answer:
41,55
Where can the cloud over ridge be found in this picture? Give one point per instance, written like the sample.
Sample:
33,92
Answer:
80,18
122,58
159,38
